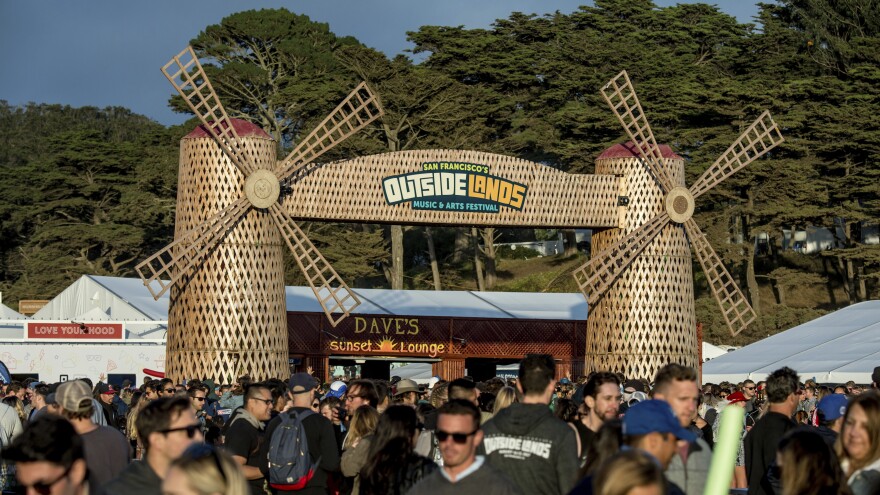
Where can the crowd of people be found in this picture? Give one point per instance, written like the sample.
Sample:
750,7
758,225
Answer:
602,433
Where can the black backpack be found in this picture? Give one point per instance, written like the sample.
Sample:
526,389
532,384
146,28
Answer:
290,465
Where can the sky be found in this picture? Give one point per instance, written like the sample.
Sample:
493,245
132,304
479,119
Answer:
108,52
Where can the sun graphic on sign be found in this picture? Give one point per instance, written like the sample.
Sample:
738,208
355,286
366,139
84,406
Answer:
386,345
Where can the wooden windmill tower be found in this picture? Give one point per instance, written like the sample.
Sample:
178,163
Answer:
638,281
225,269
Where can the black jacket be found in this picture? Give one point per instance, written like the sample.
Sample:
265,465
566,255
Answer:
533,448
137,478
112,416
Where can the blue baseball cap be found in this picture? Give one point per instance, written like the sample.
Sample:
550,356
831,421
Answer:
337,389
654,416
832,406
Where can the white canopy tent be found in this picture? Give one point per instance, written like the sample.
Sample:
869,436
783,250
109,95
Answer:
835,348
7,313
711,351
96,298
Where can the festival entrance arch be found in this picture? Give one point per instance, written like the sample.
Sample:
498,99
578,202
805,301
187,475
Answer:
236,204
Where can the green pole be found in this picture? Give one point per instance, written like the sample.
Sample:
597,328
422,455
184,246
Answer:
726,448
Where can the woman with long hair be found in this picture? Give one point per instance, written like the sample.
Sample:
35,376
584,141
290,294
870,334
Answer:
627,473
356,445
139,401
392,466
506,396
808,465
204,470
858,444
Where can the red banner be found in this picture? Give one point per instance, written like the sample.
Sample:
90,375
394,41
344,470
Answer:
74,331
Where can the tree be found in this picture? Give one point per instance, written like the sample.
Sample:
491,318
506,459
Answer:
422,108
274,68
95,196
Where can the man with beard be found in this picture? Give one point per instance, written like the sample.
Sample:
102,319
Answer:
602,398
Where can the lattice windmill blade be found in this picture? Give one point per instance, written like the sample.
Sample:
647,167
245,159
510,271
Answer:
594,277
620,95
759,138
175,260
359,109
331,291
188,77
735,308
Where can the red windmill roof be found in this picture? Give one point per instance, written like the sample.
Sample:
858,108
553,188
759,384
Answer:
628,150
242,127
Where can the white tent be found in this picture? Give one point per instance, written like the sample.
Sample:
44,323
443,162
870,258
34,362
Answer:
118,298
7,313
95,298
836,348
711,351
11,322
464,304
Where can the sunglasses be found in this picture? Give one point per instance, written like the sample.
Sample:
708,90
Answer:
442,436
190,430
749,388
45,487
170,390
200,399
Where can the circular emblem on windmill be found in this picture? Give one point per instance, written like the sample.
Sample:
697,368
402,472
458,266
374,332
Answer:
262,188
679,204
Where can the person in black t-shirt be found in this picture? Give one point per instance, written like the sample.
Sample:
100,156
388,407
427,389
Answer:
244,438
762,440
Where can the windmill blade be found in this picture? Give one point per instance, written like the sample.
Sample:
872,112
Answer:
594,278
189,79
329,288
737,311
358,109
759,138
163,269
621,97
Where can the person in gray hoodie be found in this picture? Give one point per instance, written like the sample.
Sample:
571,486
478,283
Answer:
525,441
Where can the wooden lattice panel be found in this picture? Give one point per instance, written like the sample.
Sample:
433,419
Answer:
228,317
646,317
352,191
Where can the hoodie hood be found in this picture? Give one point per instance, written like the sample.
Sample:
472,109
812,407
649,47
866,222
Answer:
243,414
520,419
212,395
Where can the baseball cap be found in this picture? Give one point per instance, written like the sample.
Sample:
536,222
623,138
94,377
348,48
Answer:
635,385
302,382
652,416
406,385
832,406
637,397
337,389
105,388
736,397
74,396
